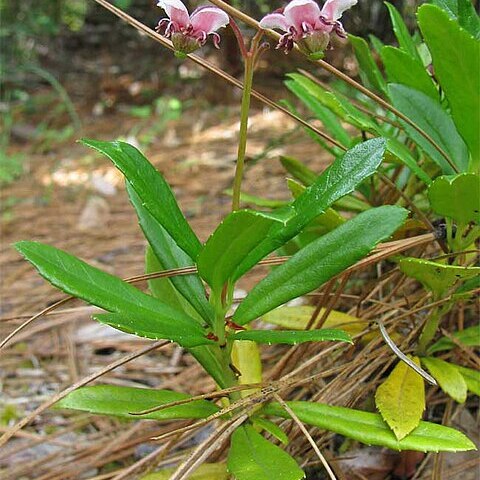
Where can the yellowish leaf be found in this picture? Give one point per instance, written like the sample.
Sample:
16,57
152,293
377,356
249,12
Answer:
451,381
401,399
297,318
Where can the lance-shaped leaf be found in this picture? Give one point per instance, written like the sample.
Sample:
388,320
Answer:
252,457
143,325
340,179
404,38
429,115
154,192
448,377
456,61
401,399
369,71
321,260
471,377
469,337
371,429
172,256
106,291
232,241
123,401
434,276
271,428
456,197
406,70
293,337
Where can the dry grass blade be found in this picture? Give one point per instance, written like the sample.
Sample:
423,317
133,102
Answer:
203,451
84,381
307,435
25,324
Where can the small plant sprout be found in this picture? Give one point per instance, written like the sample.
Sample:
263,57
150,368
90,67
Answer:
190,32
303,22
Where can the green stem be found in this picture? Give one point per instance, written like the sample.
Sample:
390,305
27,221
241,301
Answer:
242,143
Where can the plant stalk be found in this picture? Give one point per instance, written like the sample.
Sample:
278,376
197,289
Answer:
242,142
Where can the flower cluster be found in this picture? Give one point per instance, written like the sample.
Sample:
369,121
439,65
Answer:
302,21
190,32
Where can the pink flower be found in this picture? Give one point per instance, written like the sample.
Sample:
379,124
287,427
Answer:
303,22
189,32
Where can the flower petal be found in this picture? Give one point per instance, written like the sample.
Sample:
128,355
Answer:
333,9
208,19
176,11
275,20
300,12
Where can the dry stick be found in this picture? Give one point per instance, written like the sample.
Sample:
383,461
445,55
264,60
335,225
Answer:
232,11
307,435
203,450
401,355
89,378
214,69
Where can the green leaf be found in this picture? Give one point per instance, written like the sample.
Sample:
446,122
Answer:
320,260
142,325
471,377
464,12
469,337
329,120
257,201
298,170
271,428
456,60
123,401
403,154
252,457
448,377
435,121
154,192
434,276
172,256
293,337
371,429
369,71
401,32
206,471
400,399
340,179
456,197
106,291
406,70
297,318
232,241
162,288
335,102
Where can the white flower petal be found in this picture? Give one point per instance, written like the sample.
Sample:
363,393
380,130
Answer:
176,11
333,9
209,19
275,20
